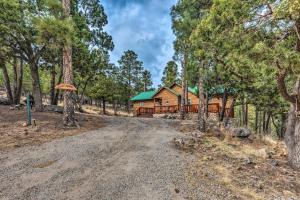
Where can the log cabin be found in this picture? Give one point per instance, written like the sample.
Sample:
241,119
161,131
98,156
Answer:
168,100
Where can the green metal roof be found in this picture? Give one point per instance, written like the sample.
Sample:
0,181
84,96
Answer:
147,95
194,90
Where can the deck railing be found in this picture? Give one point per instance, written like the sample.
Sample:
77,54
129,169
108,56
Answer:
145,111
212,108
166,109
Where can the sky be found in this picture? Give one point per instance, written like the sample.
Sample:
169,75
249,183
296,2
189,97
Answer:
143,26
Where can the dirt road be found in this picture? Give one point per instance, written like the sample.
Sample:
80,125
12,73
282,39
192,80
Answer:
129,158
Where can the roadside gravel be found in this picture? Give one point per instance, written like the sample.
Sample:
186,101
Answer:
130,158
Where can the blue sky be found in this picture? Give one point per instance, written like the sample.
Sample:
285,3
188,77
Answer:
143,26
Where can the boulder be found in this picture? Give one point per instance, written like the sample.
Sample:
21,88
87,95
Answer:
4,101
241,132
248,161
53,108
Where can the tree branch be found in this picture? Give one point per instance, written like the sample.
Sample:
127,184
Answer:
281,86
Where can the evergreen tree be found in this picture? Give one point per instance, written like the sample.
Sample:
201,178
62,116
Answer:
170,74
146,80
130,74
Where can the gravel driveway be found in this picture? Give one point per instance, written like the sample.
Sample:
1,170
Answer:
130,158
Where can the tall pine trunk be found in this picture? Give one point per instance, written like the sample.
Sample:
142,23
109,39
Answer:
206,105
201,108
69,114
183,94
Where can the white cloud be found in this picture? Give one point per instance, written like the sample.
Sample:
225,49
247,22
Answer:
143,26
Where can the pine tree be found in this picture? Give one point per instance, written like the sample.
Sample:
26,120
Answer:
170,74
69,114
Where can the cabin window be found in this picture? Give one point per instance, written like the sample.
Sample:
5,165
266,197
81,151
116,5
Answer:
142,104
167,102
189,101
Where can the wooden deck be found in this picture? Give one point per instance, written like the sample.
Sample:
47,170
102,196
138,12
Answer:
148,112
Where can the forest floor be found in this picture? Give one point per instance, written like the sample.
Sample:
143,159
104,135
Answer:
136,158
48,127
252,168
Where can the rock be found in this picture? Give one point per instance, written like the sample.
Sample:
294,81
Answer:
53,108
37,129
207,158
4,101
263,153
248,161
274,163
176,190
241,132
179,142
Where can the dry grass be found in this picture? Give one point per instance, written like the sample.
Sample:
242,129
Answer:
109,111
238,167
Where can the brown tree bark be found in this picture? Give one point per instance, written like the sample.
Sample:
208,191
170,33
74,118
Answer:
36,87
55,101
15,81
267,124
224,101
292,137
52,85
246,113
264,122
183,94
206,105
283,125
201,108
115,106
229,113
256,120
7,82
69,113
103,108
20,81
186,93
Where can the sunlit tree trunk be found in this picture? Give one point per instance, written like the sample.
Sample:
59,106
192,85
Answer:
201,108
183,94
69,114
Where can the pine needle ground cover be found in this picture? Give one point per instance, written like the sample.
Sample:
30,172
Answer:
48,127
